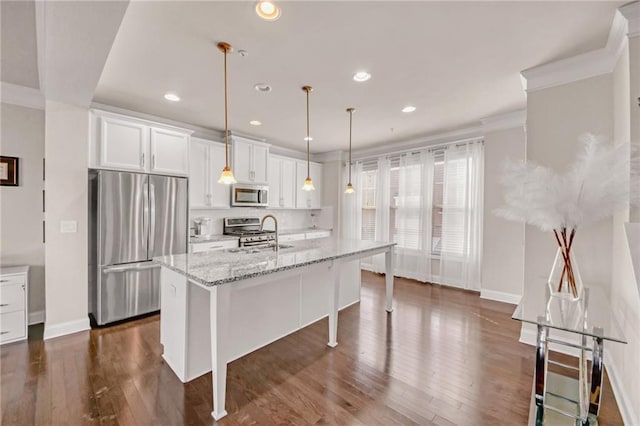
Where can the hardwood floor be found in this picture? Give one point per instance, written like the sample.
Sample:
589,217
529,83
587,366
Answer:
444,357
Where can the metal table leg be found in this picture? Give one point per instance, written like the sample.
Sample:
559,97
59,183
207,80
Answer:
596,372
542,351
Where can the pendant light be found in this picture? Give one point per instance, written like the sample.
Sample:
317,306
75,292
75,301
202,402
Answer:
308,184
349,189
226,177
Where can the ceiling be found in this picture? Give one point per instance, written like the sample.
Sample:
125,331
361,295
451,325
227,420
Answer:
457,62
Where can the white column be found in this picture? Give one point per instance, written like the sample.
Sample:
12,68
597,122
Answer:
219,306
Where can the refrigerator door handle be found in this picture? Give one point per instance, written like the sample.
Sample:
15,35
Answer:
152,218
146,231
126,268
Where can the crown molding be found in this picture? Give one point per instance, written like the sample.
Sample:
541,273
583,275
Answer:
22,96
389,148
631,12
579,67
504,121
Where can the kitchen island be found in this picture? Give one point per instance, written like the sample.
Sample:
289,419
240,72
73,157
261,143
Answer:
221,305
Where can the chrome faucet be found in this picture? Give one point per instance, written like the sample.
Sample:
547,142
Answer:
275,221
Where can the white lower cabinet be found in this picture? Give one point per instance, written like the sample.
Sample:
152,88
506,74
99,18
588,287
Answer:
212,246
207,159
14,312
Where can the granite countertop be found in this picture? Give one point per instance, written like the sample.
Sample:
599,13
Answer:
225,266
211,238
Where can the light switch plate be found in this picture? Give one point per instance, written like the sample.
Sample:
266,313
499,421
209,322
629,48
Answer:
68,226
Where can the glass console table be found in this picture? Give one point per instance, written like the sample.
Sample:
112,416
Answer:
573,324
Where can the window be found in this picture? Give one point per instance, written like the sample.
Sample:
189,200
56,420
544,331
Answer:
368,180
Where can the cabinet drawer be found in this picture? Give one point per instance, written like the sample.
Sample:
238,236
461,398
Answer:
12,279
12,326
318,234
11,298
291,237
213,245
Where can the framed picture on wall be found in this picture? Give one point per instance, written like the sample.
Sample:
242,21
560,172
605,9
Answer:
9,171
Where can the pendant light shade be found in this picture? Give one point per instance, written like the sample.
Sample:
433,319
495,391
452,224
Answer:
308,183
349,189
226,177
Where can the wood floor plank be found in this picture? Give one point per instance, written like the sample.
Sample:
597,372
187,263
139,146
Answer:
444,357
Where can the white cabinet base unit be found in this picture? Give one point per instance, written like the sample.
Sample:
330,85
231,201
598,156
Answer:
204,327
14,312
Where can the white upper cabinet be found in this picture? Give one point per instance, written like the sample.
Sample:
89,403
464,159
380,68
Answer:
282,182
169,152
125,143
206,163
308,199
250,160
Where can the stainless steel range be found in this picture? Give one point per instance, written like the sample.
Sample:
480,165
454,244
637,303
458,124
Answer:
248,229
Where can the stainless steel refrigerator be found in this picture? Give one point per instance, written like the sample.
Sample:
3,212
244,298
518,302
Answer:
133,218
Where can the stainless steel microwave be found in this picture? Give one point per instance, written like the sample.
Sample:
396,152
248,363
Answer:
247,195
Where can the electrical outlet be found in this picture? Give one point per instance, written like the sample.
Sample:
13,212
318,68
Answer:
68,226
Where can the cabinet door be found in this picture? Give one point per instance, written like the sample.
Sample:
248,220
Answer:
199,165
242,161
316,176
220,193
260,163
169,152
275,182
123,145
288,183
303,198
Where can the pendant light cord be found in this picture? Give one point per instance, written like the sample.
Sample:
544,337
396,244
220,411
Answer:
350,126
226,113
308,139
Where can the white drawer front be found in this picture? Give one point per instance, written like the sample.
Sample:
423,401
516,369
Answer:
213,245
12,326
318,234
291,237
12,279
11,298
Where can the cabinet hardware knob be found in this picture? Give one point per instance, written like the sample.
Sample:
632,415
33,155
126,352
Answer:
3,281
153,161
142,160
4,332
2,305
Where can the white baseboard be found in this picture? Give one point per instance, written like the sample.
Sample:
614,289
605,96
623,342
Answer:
57,330
630,412
36,317
500,296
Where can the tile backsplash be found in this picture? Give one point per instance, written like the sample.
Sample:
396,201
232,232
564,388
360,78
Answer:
287,219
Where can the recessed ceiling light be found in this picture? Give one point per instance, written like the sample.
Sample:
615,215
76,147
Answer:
262,87
308,138
255,123
267,10
361,76
409,108
171,97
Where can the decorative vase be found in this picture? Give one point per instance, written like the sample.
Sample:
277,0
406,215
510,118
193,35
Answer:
565,281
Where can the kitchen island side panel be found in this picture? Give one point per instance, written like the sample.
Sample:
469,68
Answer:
301,298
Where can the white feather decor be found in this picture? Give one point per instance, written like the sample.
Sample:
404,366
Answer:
604,179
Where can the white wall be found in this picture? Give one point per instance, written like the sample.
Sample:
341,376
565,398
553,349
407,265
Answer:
22,136
503,240
625,299
66,257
